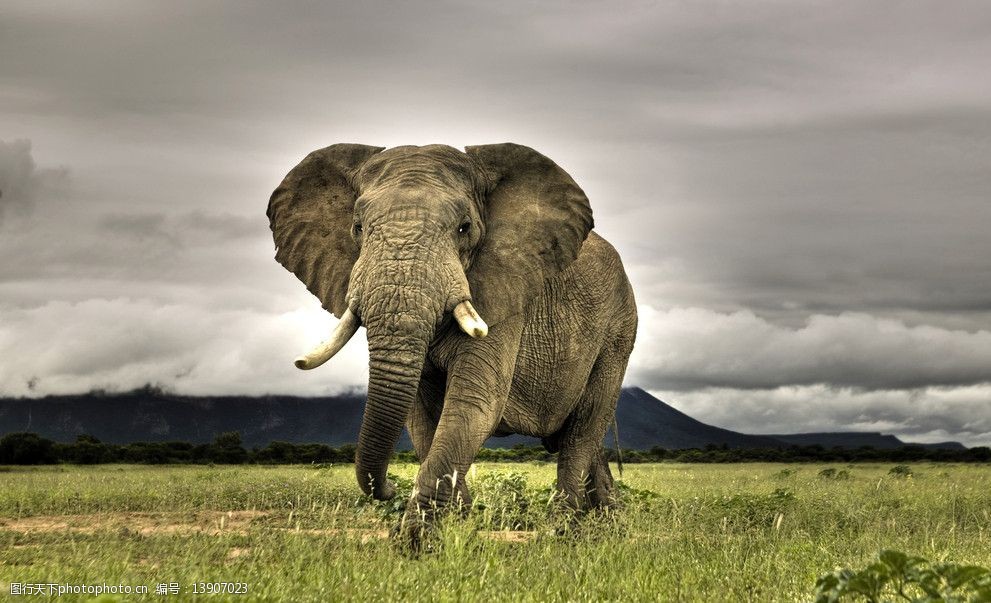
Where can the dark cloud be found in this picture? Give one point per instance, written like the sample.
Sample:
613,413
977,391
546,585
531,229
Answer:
828,220
195,228
691,348
931,414
21,183
799,192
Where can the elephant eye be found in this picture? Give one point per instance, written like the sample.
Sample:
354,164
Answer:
357,228
465,227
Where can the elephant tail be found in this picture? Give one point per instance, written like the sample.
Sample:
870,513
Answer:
619,451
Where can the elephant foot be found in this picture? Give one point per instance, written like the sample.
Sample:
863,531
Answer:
569,523
590,524
601,488
416,531
413,540
605,499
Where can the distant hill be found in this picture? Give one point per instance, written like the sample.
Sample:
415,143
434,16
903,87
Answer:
857,439
151,415
645,421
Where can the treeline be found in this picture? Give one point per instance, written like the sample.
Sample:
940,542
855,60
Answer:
32,449
805,454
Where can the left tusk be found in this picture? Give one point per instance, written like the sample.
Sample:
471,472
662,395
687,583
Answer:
469,320
325,351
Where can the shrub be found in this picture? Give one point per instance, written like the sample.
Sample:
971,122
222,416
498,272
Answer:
901,471
897,576
395,506
746,511
831,473
87,450
27,449
503,499
227,448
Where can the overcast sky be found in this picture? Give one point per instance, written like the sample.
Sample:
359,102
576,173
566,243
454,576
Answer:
801,192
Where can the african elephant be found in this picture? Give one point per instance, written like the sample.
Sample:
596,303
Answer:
491,307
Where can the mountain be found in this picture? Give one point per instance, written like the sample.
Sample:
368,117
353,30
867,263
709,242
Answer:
644,421
152,415
842,439
857,439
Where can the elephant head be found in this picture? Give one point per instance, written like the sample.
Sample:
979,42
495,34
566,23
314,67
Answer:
398,240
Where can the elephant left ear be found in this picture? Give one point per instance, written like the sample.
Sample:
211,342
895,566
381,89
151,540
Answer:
537,218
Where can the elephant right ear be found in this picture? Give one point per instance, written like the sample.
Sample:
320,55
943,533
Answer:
537,220
310,214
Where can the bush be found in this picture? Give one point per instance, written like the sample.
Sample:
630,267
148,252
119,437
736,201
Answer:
901,471
395,506
504,500
27,449
754,510
227,448
831,473
897,576
87,450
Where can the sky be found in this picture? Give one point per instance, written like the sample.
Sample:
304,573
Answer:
800,191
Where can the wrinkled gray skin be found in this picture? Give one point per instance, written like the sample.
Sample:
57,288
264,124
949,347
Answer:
401,236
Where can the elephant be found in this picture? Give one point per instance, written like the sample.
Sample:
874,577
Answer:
490,305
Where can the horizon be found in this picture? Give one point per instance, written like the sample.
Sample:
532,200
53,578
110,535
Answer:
799,198
359,391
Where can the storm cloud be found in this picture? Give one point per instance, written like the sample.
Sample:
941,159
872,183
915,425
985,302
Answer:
689,348
930,414
21,183
800,191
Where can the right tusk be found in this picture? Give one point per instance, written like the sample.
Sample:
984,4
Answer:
325,351
469,320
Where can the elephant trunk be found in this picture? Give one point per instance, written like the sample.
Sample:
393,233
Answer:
398,336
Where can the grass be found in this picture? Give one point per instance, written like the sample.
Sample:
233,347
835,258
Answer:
749,532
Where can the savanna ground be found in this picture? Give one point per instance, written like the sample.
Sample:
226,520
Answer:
746,532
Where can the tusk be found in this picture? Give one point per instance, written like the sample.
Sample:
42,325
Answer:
469,320
325,351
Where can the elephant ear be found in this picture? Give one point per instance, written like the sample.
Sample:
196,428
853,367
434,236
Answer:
537,218
310,214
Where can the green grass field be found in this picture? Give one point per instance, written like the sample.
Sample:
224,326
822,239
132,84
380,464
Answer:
753,532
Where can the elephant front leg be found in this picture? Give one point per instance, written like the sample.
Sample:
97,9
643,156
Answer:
479,377
422,423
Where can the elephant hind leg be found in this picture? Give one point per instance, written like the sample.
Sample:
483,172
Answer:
583,476
600,486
